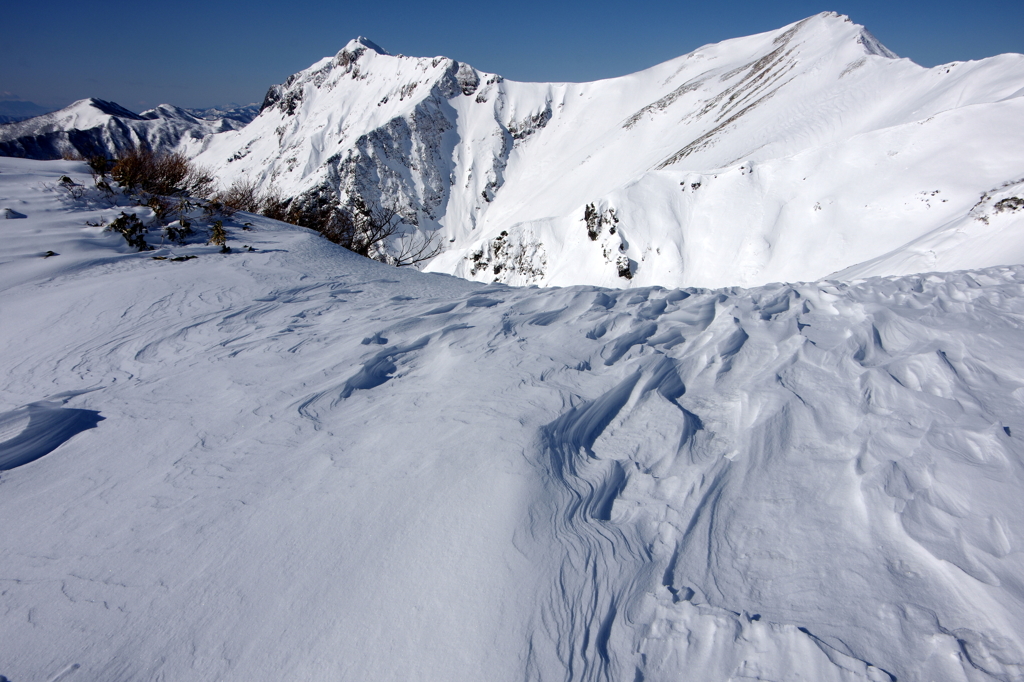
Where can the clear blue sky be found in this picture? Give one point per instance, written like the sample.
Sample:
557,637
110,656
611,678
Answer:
202,53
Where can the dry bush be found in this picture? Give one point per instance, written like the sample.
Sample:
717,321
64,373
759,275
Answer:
369,230
163,173
99,165
273,205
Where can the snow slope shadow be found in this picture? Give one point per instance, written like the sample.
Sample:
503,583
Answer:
38,429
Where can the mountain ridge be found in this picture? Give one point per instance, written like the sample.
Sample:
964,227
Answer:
694,168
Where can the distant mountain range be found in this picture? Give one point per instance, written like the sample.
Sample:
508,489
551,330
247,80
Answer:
16,110
95,126
241,113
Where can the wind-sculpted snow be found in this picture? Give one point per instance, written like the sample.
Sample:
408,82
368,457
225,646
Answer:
29,432
310,465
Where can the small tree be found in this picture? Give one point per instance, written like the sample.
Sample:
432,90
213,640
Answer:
218,237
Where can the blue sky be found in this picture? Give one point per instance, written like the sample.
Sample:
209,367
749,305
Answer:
200,54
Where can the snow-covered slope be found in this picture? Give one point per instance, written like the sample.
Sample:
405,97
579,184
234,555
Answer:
94,126
295,463
782,156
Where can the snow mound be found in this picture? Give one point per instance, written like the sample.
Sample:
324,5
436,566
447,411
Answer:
30,432
313,465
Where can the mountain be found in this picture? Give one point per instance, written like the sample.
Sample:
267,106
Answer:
296,463
240,113
789,155
93,126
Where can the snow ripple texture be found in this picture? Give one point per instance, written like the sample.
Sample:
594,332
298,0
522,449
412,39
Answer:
312,466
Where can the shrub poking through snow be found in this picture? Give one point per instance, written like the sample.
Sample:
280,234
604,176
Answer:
180,233
73,189
593,220
161,207
242,195
1009,204
274,205
100,166
129,225
371,230
161,173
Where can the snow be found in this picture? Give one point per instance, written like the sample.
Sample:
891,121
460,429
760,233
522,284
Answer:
297,463
785,156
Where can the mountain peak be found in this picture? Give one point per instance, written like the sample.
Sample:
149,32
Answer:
362,43
105,107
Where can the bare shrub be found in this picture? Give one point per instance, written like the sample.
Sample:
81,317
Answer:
274,205
161,173
100,166
73,189
242,195
372,231
214,207
416,249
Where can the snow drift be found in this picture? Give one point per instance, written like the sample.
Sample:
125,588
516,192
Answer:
785,156
310,465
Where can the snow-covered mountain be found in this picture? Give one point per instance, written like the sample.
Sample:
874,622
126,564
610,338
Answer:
240,113
786,156
296,463
94,126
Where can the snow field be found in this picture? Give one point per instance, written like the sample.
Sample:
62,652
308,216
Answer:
304,464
